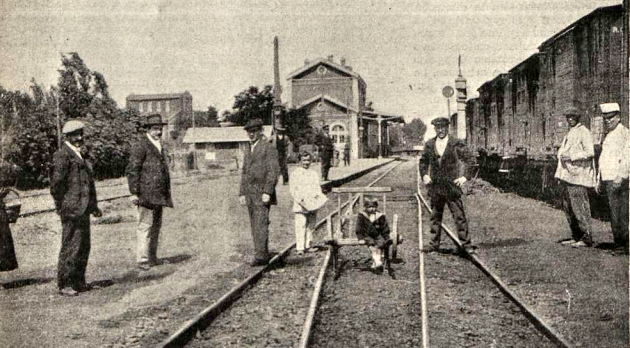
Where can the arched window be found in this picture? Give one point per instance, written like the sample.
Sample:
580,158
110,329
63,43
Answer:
338,134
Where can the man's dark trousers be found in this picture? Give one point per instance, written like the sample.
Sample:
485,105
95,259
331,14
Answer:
259,220
326,162
74,253
282,163
577,209
456,206
618,203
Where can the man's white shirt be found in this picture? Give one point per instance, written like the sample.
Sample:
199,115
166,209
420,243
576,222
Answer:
74,149
155,142
440,145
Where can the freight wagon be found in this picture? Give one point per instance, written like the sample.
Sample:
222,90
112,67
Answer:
517,123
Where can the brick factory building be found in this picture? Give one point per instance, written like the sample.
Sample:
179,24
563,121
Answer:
171,106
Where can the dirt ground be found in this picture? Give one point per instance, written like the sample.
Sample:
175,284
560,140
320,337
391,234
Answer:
212,241
582,293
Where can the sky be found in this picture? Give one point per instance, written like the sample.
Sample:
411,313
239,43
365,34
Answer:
406,51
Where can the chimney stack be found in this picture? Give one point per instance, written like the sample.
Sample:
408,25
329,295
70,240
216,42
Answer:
342,61
330,58
306,61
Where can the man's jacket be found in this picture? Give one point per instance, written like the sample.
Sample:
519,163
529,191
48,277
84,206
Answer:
148,176
72,184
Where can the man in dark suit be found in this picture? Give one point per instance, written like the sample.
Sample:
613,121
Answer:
150,185
72,188
443,171
258,188
327,149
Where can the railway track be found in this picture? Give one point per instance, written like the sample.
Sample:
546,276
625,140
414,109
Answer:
276,301
41,203
289,304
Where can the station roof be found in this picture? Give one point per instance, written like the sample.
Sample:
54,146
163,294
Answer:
370,114
311,64
164,96
219,135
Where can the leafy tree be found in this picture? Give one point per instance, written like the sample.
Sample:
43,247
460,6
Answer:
83,92
202,119
212,115
414,132
252,103
396,136
298,127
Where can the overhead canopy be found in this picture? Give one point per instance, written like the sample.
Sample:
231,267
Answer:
219,135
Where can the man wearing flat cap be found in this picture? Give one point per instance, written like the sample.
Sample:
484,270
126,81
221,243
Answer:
258,188
443,171
150,186
614,169
576,173
74,193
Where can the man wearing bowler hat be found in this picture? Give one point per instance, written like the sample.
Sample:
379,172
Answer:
258,188
150,187
614,169
72,188
443,171
576,172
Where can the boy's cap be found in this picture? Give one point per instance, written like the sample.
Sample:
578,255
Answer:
370,202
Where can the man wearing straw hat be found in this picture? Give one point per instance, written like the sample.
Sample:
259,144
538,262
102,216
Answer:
72,187
576,174
150,186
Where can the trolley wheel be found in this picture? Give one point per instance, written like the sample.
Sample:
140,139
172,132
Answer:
394,237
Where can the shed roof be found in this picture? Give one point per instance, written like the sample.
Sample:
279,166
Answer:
219,135
166,96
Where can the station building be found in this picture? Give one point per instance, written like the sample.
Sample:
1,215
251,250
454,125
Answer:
335,95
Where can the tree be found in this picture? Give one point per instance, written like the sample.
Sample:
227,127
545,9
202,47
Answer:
202,119
298,127
252,103
212,115
83,92
414,132
396,135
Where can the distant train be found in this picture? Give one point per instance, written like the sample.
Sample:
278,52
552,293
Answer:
520,114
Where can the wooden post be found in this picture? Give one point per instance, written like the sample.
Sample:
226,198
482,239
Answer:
384,204
329,233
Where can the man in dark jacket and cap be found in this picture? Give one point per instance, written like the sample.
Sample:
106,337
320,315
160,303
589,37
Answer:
258,188
150,185
443,170
326,151
72,187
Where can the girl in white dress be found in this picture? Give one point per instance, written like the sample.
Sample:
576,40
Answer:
305,188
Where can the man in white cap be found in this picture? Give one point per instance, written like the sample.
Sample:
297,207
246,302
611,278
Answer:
72,187
614,169
576,173
150,186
